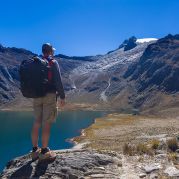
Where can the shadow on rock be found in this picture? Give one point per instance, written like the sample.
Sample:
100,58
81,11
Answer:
23,172
41,168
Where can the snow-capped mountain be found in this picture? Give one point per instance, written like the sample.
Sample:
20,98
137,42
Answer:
96,76
140,74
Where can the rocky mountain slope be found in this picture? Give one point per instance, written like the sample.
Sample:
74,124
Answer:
10,59
98,81
158,66
156,74
140,74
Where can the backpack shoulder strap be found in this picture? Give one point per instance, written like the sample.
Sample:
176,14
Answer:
51,62
36,58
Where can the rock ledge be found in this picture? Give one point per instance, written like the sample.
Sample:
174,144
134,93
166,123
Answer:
70,164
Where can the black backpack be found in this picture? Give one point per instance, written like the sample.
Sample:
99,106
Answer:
34,77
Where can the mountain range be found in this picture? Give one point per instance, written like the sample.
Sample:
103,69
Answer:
140,75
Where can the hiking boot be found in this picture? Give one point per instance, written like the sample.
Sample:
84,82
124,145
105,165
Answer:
47,154
35,154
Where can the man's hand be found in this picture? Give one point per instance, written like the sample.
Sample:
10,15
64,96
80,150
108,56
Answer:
62,102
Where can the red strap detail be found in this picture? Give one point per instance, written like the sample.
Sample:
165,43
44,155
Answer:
50,63
50,71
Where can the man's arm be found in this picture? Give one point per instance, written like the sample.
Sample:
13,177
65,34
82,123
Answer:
57,80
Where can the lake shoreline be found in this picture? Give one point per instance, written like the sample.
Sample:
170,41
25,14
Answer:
68,107
112,126
106,136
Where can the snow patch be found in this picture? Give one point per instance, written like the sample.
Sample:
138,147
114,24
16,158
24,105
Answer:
146,40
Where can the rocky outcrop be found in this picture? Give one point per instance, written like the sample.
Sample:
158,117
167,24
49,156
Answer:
87,164
129,43
69,164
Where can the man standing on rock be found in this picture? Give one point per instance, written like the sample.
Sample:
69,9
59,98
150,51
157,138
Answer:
45,108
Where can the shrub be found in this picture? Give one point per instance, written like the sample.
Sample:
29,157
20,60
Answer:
172,156
128,149
155,144
172,144
144,149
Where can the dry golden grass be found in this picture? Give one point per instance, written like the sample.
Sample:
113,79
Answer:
92,133
163,177
154,144
172,156
115,130
129,149
143,148
139,149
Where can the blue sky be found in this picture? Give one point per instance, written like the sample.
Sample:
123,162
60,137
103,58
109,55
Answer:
84,27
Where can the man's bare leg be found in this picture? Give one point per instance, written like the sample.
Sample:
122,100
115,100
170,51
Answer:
45,151
45,134
35,133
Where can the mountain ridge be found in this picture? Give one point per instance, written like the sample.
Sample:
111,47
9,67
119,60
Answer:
123,79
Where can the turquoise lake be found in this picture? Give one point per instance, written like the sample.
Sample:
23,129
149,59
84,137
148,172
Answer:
15,131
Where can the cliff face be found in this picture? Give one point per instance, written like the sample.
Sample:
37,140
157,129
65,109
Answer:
155,76
158,67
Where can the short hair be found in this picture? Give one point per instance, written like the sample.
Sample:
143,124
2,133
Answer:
46,48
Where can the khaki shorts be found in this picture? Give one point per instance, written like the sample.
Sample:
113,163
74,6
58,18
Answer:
46,108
